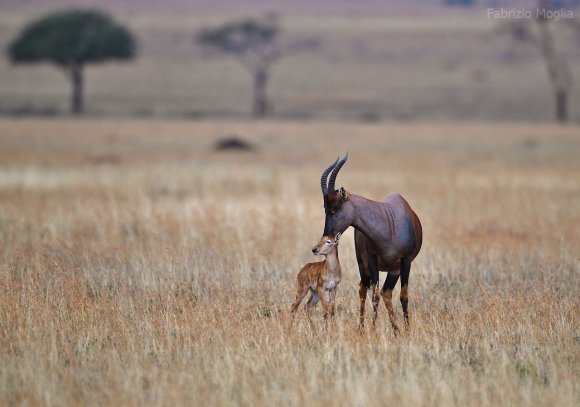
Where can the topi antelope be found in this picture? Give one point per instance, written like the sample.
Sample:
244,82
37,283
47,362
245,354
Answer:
321,278
387,237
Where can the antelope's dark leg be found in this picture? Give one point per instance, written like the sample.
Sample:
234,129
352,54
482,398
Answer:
405,271
374,272
387,294
365,281
362,293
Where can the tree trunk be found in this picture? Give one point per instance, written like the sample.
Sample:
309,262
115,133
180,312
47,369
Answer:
558,72
76,78
260,97
561,105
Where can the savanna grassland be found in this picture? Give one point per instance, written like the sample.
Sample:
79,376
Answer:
140,267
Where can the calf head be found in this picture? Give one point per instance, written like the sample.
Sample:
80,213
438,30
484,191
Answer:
326,245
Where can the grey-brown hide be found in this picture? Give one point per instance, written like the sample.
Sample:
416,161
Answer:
388,236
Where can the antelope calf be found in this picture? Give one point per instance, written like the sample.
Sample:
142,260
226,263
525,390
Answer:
321,278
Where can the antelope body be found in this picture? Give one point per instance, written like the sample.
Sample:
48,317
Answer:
321,278
388,236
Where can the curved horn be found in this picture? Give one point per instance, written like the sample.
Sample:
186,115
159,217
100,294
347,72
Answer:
335,173
325,175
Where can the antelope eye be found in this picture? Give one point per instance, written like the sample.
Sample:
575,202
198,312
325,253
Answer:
329,241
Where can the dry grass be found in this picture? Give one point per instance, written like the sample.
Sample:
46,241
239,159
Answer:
138,267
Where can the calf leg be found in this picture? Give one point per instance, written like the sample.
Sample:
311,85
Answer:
313,300
387,294
311,303
326,302
405,271
332,302
300,294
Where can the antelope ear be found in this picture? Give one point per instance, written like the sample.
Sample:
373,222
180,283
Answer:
337,237
342,192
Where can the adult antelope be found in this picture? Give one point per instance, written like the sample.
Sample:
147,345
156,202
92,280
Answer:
387,237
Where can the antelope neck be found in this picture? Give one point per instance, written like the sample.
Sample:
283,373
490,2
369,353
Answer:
369,217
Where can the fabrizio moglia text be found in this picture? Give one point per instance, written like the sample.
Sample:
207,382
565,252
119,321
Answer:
523,14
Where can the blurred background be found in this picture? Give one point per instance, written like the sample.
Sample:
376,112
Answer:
355,60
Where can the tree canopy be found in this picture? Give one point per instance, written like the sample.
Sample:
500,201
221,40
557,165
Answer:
240,36
70,39
256,45
73,37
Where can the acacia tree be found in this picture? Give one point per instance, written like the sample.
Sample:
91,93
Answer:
559,72
255,44
71,39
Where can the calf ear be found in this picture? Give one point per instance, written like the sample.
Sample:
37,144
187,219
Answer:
343,194
337,237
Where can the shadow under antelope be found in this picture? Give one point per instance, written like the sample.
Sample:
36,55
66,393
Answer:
321,279
387,237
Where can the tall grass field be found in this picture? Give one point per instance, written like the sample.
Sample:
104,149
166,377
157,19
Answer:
140,266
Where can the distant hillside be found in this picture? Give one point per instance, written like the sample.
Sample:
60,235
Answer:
292,7
377,59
